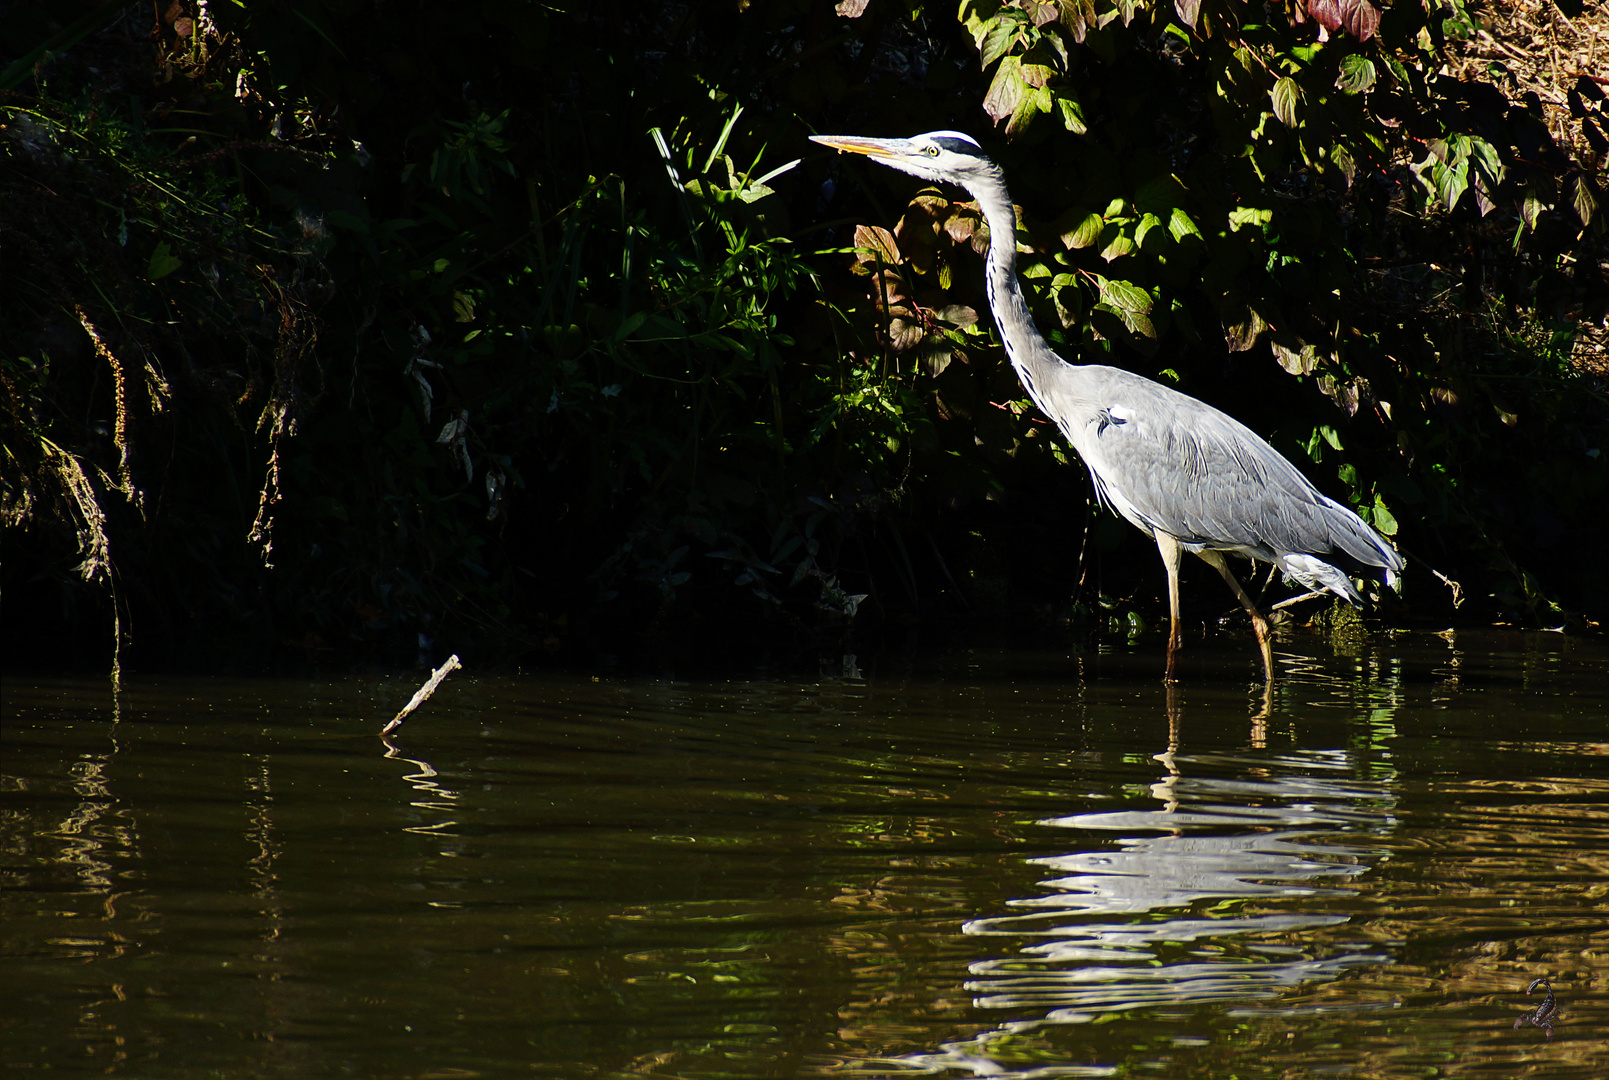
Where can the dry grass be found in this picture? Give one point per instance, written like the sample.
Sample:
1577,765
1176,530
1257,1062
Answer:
1544,51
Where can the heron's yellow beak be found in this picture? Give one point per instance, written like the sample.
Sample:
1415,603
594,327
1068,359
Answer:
858,144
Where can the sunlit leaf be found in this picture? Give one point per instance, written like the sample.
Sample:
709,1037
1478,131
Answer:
1532,206
1344,161
1033,100
1118,244
1242,216
1148,224
1298,360
1486,160
1583,197
1285,96
1006,90
1242,335
1447,183
1180,225
1072,113
1085,233
1383,519
1124,295
1358,17
1357,74
874,243
998,41
904,334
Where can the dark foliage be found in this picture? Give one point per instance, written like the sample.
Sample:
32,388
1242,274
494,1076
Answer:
515,327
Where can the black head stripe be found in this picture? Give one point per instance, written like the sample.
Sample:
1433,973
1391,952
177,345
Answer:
958,146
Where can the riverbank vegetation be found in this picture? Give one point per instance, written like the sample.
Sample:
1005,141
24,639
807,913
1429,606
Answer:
339,332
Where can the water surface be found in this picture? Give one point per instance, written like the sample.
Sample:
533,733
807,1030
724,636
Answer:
986,863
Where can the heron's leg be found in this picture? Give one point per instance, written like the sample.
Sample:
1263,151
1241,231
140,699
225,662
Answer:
1172,553
1259,625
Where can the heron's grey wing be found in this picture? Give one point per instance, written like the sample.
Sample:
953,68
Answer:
1202,476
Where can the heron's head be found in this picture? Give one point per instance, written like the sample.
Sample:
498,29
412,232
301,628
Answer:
946,156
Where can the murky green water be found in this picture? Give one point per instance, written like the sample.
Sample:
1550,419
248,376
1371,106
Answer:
983,864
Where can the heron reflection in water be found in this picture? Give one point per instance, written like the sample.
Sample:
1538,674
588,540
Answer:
1220,894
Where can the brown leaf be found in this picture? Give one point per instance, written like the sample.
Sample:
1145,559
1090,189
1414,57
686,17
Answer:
935,356
962,224
1358,17
851,9
1041,11
876,244
918,230
1243,335
904,334
956,315
1296,356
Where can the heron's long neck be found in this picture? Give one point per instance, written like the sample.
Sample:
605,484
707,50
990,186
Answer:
1029,353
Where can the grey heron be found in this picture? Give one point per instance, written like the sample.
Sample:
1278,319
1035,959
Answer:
1184,473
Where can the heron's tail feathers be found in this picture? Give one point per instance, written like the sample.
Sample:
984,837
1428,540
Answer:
1344,537
1357,539
1318,575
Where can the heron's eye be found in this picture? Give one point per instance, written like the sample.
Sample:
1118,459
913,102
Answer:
931,151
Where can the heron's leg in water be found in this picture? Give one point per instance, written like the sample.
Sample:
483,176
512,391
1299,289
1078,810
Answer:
1259,625
1172,553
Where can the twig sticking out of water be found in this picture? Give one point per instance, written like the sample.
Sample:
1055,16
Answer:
424,693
